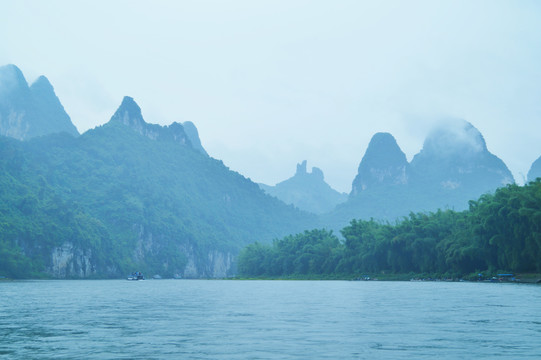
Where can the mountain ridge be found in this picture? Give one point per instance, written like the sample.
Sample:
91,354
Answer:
307,191
453,167
115,199
30,111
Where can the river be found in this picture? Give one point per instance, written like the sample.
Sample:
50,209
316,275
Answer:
213,319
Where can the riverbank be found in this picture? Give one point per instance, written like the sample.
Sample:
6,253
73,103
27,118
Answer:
532,278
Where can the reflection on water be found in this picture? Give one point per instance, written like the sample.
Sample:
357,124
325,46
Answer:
191,319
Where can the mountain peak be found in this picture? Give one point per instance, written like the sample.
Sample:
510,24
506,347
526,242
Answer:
301,168
455,159
454,137
34,111
12,81
307,191
316,173
129,114
383,147
12,71
383,163
43,84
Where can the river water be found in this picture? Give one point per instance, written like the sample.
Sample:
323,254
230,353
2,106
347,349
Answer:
207,319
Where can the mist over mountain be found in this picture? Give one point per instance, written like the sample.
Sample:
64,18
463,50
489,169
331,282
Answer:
27,112
453,167
535,170
129,196
307,190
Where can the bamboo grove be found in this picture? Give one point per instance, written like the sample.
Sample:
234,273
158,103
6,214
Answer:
499,232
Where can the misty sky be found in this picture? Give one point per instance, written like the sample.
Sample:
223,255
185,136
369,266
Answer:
271,83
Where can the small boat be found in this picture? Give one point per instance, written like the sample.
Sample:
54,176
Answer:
136,276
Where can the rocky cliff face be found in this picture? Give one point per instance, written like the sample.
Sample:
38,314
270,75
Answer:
214,264
307,191
195,263
27,112
71,261
68,261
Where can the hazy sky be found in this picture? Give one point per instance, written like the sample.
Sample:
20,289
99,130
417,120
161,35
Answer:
271,83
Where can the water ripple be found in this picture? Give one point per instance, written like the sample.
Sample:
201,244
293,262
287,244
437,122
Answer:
267,320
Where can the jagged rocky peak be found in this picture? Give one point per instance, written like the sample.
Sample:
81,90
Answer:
177,132
454,137
193,136
26,112
535,170
301,168
307,191
383,163
316,173
129,114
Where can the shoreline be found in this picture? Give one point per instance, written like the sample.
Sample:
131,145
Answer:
528,278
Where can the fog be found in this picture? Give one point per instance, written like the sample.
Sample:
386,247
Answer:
454,136
271,83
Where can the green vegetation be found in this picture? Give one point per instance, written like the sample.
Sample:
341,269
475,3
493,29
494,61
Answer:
113,201
500,231
126,202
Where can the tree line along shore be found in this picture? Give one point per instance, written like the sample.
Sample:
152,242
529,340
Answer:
500,233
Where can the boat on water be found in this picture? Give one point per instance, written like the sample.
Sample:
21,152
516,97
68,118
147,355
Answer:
136,276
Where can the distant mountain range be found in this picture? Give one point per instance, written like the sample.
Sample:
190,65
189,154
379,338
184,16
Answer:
135,196
453,167
129,196
307,191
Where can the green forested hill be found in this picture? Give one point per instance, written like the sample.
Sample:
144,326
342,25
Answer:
114,200
499,232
